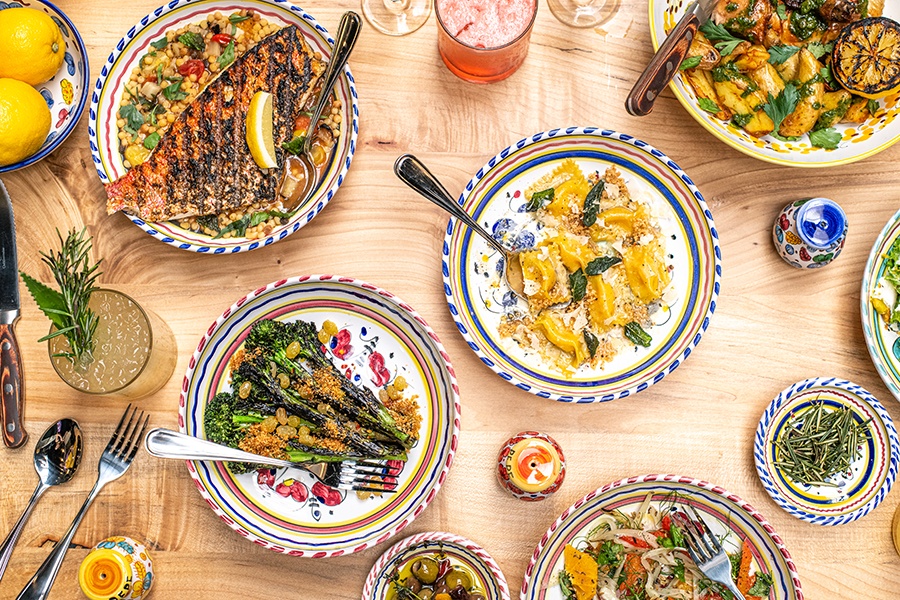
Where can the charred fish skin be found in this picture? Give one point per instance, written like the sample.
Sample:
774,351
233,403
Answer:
202,165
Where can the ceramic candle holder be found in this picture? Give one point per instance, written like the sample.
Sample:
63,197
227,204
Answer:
531,466
118,567
809,234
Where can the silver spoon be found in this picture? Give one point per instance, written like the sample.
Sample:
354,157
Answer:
348,32
413,173
56,458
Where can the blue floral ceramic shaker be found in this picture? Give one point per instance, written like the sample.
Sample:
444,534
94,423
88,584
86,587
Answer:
809,234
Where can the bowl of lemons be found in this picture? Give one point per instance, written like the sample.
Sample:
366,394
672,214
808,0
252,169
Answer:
43,81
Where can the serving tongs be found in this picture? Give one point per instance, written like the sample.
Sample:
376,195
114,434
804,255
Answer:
374,476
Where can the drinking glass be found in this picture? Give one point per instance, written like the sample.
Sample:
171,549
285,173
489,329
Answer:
396,17
583,13
484,41
134,350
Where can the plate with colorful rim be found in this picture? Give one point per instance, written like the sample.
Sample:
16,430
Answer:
66,92
854,494
728,517
883,344
859,141
459,550
478,299
312,520
109,89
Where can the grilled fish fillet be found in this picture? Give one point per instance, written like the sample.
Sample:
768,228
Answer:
202,165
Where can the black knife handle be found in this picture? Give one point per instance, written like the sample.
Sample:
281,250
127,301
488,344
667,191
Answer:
663,67
12,389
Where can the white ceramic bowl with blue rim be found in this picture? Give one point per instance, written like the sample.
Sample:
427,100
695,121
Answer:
728,517
855,493
882,343
286,510
108,92
859,141
459,549
66,92
477,297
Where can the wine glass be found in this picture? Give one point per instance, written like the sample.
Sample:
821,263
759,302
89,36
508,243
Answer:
583,13
396,17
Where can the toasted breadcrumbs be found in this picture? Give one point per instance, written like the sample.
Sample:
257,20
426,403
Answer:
257,441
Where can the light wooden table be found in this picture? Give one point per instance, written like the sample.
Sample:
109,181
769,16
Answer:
773,325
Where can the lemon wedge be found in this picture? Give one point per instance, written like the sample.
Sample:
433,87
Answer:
259,131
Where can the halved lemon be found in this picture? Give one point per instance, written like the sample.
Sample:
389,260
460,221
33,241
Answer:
259,131
866,57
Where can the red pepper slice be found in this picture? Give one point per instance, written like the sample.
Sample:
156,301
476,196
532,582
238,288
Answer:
192,67
635,542
667,523
222,38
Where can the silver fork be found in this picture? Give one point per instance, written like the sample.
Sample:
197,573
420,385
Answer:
114,461
706,551
361,476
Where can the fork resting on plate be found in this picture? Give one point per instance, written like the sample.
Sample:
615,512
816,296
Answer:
362,475
706,551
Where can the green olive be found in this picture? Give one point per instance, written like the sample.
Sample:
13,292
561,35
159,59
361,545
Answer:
426,570
457,578
426,594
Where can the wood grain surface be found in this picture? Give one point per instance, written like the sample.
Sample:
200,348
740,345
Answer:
773,324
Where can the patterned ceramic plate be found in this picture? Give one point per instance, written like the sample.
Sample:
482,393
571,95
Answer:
458,549
381,337
883,344
855,493
493,197
66,92
728,517
110,87
859,140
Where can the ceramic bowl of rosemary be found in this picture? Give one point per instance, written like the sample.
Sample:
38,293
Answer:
827,451
101,341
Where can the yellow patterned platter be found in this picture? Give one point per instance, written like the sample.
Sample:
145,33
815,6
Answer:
858,141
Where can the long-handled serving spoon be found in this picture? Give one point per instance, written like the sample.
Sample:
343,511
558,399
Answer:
56,458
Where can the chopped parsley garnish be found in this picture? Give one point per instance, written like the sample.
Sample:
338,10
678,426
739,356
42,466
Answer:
708,105
725,42
133,118
828,138
151,141
761,586
227,56
779,108
160,43
192,40
780,53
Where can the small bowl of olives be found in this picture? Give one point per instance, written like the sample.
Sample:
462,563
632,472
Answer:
435,566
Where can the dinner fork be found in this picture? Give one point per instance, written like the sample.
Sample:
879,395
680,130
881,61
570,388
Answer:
114,461
706,551
361,476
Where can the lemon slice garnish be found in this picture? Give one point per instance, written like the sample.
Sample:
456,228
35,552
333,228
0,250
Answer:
259,131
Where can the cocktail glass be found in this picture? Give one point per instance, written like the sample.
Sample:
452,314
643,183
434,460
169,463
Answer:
396,17
485,40
583,13
134,350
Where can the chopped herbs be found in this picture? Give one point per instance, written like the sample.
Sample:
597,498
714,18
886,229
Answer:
818,49
779,108
565,585
781,11
133,118
238,18
601,264
741,119
609,552
780,53
160,43
678,570
689,63
227,56
725,42
192,40
295,146
825,138
592,342
635,333
819,443
592,204
151,141
761,586
578,285
872,106
539,198
173,92
708,105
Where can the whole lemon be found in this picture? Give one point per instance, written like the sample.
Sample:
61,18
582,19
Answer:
31,44
24,121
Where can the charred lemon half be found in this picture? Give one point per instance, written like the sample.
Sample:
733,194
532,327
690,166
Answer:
866,58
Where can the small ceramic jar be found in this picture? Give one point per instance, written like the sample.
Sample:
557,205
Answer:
531,466
810,233
118,568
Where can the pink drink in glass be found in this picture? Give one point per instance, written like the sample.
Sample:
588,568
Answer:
484,40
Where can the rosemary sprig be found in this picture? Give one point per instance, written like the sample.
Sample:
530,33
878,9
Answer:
820,443
68,308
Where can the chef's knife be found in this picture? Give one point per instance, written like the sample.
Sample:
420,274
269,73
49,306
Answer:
664,64
12,390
